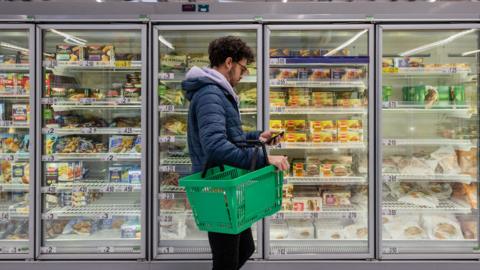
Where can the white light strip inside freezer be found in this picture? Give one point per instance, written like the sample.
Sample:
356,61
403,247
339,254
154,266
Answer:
14,47
470,52
437,43
70,39
348,42
165,42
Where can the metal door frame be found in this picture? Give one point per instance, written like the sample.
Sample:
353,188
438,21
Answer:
379,151
371,142
155,159
30,30
98,27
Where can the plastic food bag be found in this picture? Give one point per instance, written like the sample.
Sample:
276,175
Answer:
406,227
420,199
441,227
447,160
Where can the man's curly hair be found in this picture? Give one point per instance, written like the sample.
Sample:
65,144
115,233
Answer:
222,48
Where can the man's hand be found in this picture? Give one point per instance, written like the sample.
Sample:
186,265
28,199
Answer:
266,135
281,162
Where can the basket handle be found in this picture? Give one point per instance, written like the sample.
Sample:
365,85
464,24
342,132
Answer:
245,144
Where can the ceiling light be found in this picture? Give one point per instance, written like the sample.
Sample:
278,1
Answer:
100,1
14,47
165,42
350,41
470,52
70,39
284,1
432,1
437,43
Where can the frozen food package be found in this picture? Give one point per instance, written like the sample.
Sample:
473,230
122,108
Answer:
465,194
353,74
405,227
300,229
339,74
295,137
192,231
326,136
467,160
360,197
420,199
100,53
323,99
356,231
301,204
295,125
65,52
447,160
442,227
287,204
298,167
285,73
276,125
441,191
319,74
278,231
414,165
174,229
327,230
198,60
171,62
469,229
336,197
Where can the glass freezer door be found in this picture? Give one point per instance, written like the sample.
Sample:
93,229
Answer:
92,131
16,70
319,94
429,132
177,50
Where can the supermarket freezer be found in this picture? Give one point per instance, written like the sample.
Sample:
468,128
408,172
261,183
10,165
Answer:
16,129
91,162
176,50
319,91
428,141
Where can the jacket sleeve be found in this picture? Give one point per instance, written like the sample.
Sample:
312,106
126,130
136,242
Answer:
254,135
211,117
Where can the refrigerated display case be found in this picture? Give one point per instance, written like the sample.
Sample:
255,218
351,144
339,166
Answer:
91,157
319,92
16,151
428,141
176,50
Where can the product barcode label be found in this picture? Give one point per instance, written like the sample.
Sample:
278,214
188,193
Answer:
166,76
80,189
167,168
4,216
279,251
278,82
88,130
390,250
390,178
166,218
167,139
389,212
110,158
108,189
48,250
390,142
50,216
277,109
167,196
166,250
167,108
106,249
278,61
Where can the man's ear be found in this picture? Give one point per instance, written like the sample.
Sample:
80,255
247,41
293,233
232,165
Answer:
229,63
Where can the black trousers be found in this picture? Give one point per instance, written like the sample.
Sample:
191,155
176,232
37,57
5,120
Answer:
231,251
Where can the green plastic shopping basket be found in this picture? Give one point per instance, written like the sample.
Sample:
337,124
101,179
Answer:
230,200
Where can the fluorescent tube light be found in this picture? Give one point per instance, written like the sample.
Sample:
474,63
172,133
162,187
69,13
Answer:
470,52
14,47
70,39
165,42
437,43
350,41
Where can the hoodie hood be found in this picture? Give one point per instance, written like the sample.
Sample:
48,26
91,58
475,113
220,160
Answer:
197,78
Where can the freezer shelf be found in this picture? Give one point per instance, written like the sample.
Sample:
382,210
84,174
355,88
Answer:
459,111
93,103
125,66
172,139
8,212
13,187
14,246
317,180
435,246
88,185
95,211
110,237
172,77
14,67
167,188
275,83
92,156
11,124
427,142
327,211
309,145
172,109
396,177
14,96
425,72
316,246
318,60
392,207
15,156
283,110
92,130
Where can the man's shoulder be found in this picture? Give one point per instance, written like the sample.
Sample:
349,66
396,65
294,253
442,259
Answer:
209,89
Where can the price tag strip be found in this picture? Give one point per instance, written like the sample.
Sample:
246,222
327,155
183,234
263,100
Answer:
106,250
48,250
166,250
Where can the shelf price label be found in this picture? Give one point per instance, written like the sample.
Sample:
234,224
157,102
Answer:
166,250
278,82
167,196
389,142
51,101
279,251
50,216
350,215
390,104
127,130
279,216
390,250
166,76
166,108
103,216
390,70
278,61
127,188
49,158
167,168
4,216
11,157
48,250
277,109
50,130
390,178
88,130
50,189
166,219
83,189
107,189
87,100
123,100
106,249
110,157
389,212
167,139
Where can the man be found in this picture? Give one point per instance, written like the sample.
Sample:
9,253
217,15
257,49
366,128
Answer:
214,128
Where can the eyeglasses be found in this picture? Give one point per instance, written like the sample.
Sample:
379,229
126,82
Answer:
244,69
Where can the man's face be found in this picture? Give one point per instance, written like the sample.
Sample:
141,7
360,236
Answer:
236,70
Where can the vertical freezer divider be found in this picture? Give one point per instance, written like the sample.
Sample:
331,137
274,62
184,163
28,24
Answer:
156,149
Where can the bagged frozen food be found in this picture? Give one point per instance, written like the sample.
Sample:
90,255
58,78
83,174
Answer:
325,230
317,74
405,227
469,229
300,229
285,73
414,165
389,166
466,193
447,160
419,198
467,160
170,62
356,231
336,197
301,204
174,230
441,191
278,231
442,227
